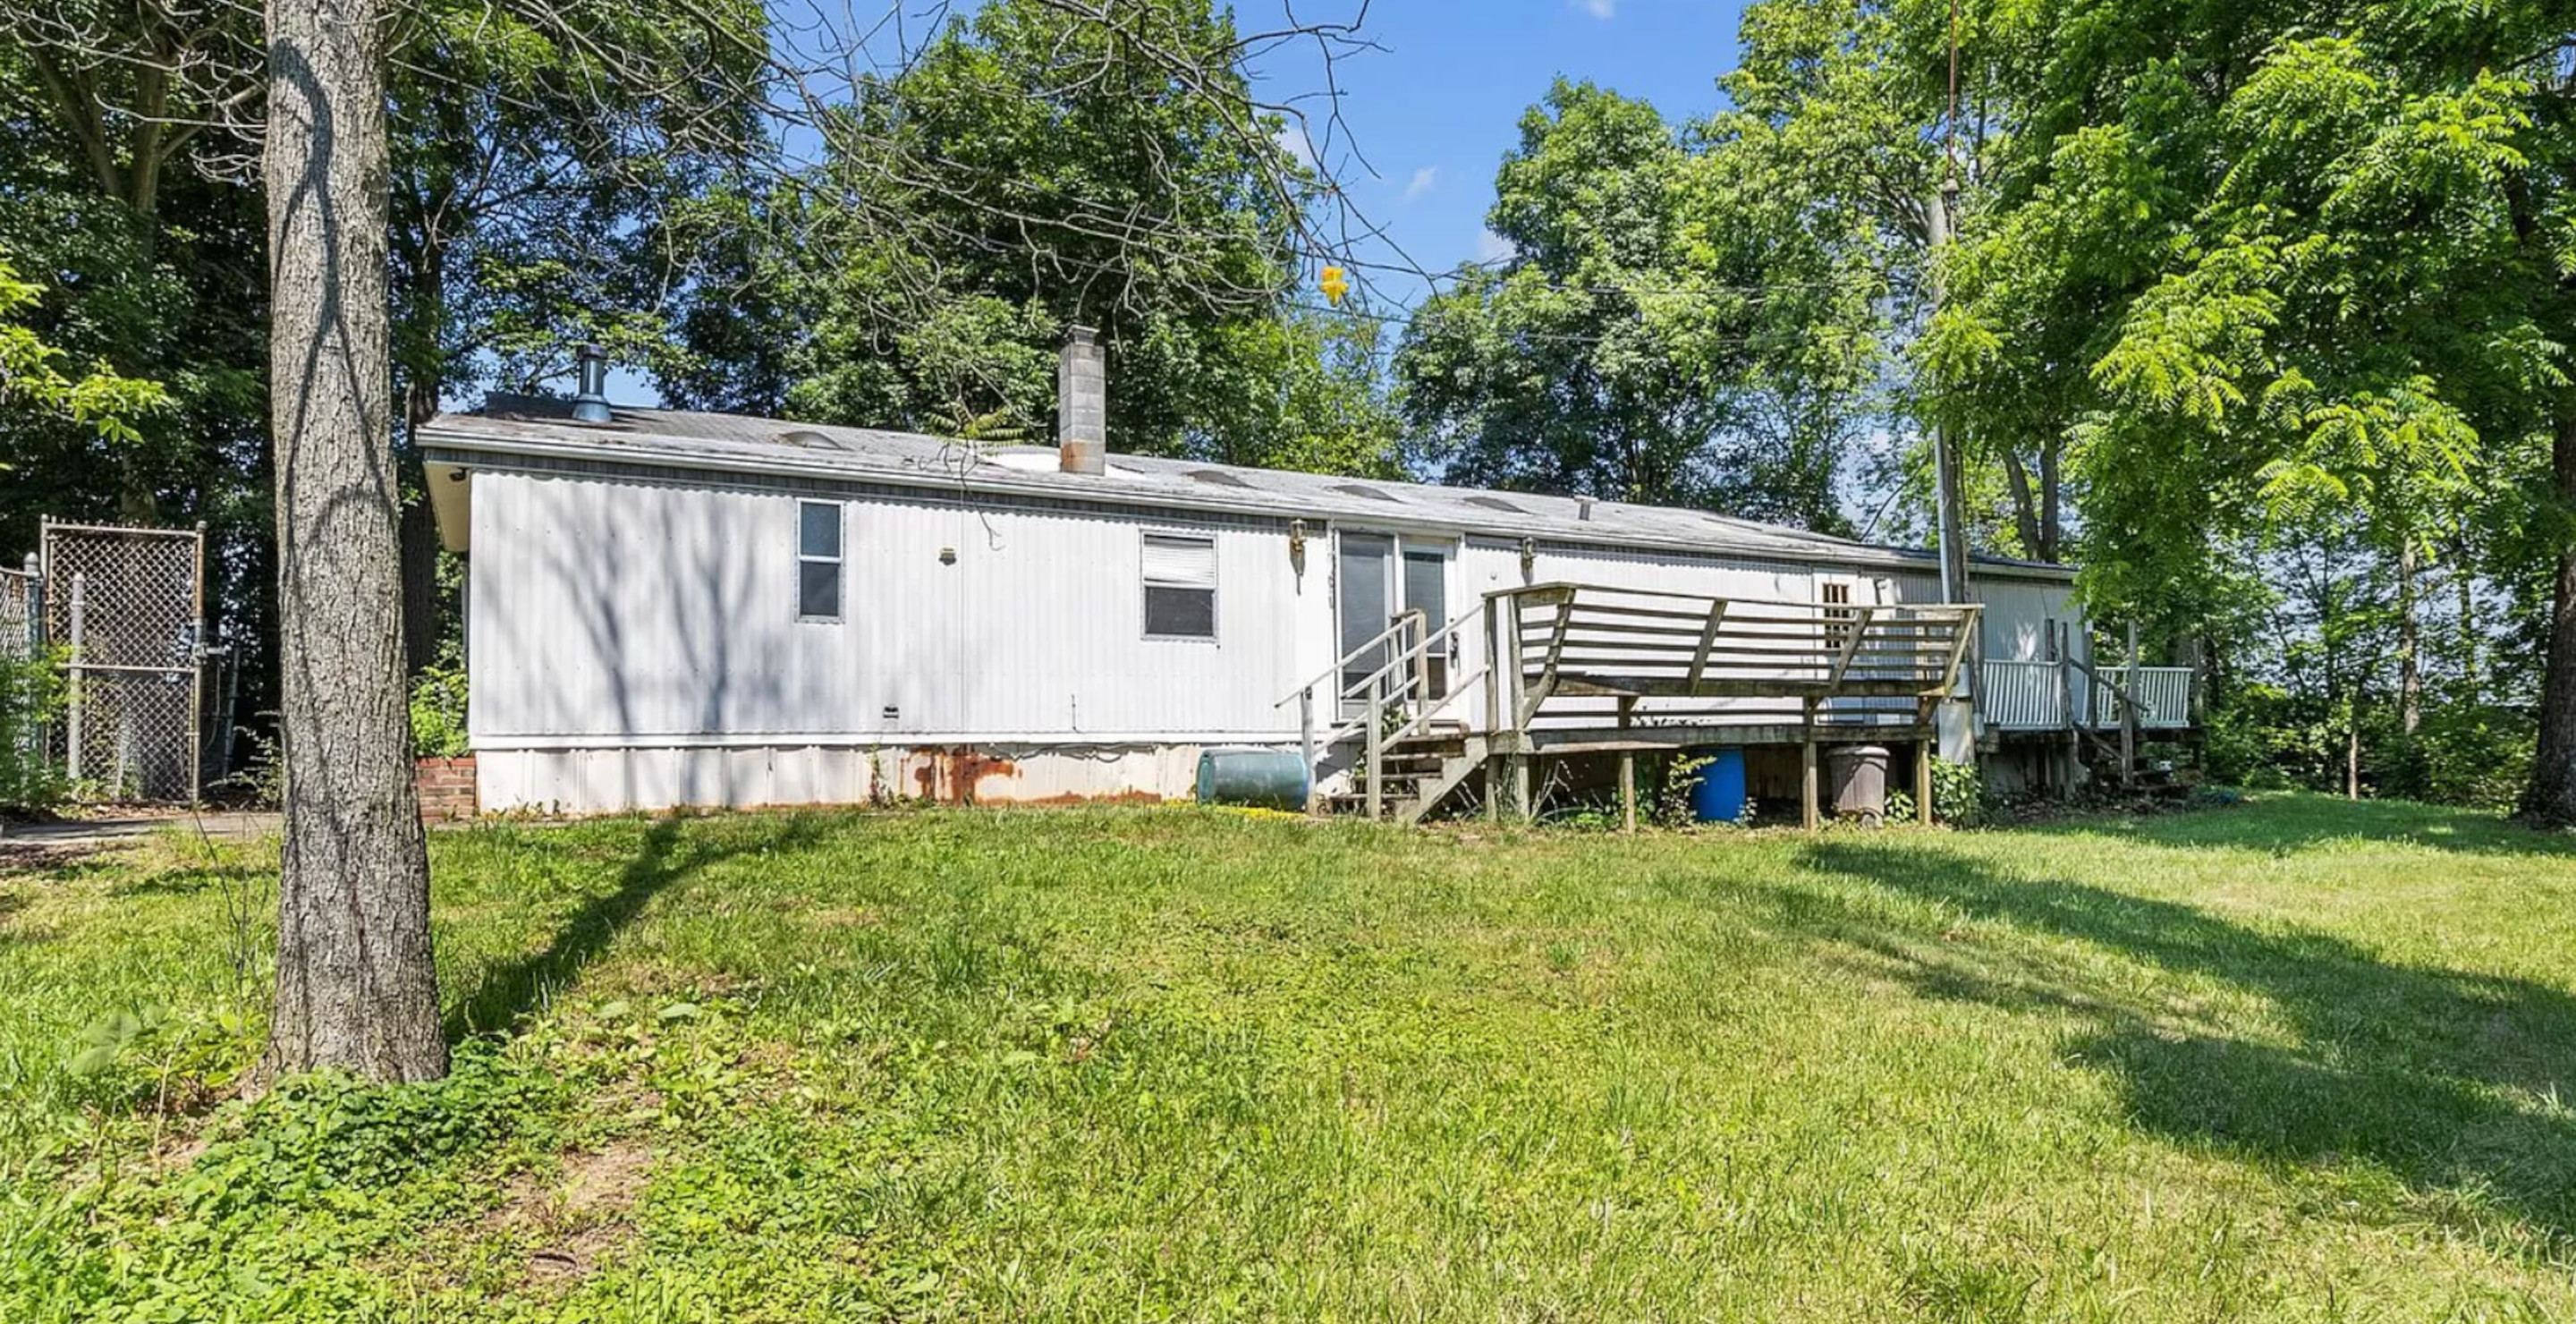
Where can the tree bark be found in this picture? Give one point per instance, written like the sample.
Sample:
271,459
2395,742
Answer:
2550,798
418,533
2052,500
356,987
2410,667
2025,505
2464,587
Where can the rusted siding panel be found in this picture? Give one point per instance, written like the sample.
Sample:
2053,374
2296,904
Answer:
592,781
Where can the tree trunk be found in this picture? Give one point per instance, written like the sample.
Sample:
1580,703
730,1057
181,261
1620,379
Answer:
2550,798
356,989
2410,670
2025,505
2052,502
419,533
2464,587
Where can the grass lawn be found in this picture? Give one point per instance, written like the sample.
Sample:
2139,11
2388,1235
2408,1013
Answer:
2290,1061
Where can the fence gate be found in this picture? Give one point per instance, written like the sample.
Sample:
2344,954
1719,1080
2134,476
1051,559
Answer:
127,607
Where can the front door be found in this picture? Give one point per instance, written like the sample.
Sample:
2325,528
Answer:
1380,577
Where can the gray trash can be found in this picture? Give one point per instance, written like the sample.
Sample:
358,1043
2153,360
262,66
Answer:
1860,782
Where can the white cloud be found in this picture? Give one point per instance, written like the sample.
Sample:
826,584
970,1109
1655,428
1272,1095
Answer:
1602,9
1421,182
1292,139
1492,248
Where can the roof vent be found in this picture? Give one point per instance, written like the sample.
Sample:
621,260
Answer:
1496,503
1583,508
1217,478
1354,489
590,404
809,439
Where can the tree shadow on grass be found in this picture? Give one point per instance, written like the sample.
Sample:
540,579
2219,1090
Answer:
668,854
2447,1080
2291,822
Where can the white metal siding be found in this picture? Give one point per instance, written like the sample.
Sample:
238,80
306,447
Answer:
637,643
638,613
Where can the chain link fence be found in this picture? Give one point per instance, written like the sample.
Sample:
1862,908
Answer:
127,607
17,615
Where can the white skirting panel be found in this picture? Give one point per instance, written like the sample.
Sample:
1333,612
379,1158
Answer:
600,781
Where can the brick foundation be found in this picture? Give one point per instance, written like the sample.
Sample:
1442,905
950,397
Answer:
446,788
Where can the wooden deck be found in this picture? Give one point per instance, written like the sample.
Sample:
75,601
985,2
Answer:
1596,669
1592,669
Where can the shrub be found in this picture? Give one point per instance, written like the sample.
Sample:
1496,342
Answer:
438,710
31,695
1959,794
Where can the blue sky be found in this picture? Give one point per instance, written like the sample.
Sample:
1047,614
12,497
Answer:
1434,112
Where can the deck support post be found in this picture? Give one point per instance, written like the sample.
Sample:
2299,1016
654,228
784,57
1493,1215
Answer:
1524,808
1923,763
2129,717
2061,640
1811,815
1627,773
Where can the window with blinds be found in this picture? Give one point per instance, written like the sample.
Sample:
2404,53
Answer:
1180,587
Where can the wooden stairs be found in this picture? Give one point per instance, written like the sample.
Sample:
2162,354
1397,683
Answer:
1418,773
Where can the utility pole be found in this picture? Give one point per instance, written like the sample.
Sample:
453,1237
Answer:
1950,519
1950,516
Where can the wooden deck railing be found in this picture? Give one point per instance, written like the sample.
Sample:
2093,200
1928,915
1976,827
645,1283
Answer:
1713,657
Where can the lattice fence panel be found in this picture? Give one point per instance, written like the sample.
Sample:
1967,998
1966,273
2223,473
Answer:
128,606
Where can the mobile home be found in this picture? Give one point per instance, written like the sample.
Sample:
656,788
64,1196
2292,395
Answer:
671,608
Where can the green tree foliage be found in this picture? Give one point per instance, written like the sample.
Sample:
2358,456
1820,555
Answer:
120,196
2272,272
2229,285
1631,345
1034,169
33,376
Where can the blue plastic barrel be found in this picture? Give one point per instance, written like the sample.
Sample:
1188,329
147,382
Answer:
1269,778
1717,793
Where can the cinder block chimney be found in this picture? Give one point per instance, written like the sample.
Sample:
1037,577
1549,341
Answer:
1081,405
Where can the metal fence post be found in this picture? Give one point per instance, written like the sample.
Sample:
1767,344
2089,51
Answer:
75,700
197,669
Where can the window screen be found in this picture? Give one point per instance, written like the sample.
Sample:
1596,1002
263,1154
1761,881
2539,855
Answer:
1180,587
818,560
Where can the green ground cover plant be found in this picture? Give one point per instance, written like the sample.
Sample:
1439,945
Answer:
2296,1060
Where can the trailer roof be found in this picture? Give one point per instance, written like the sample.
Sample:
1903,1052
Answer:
716,444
